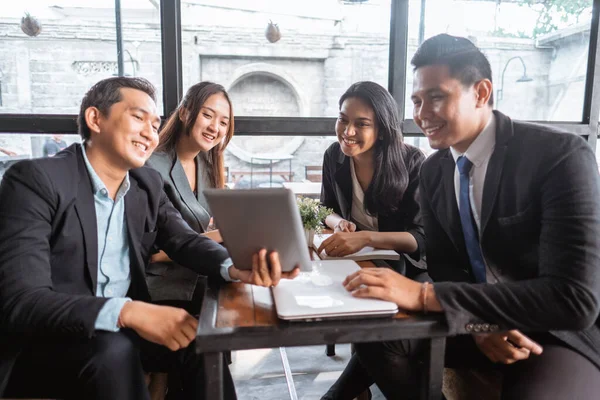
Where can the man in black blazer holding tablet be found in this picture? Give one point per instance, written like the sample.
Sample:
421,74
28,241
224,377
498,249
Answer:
76,235
512,220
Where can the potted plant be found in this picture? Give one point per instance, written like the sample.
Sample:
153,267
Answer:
312,214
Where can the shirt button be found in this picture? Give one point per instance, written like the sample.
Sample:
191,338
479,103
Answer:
110,238
103,191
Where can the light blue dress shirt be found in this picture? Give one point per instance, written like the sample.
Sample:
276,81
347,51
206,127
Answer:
114,274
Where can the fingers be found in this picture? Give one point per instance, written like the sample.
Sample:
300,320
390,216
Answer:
290,275
260,269
256,277
328,244
275,267
363,278
519,340
373,292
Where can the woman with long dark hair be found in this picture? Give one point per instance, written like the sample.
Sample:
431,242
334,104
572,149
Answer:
371,181
190,158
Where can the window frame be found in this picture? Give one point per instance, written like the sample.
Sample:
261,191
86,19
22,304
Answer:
170,16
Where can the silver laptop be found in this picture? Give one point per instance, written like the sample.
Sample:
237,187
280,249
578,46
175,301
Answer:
251,219
319,294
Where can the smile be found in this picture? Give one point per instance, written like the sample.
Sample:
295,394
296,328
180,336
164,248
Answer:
432,130
141,146
209,137
350,142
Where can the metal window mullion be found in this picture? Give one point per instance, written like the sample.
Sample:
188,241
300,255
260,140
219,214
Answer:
170,23
398,53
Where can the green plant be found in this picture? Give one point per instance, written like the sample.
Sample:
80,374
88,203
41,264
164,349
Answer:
312,213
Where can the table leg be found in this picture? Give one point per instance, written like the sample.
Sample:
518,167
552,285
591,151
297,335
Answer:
433,369
270,173
213,372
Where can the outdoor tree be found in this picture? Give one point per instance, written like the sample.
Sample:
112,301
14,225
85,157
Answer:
550,12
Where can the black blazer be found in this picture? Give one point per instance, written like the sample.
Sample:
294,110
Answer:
336,193
48,248
540,223
169,281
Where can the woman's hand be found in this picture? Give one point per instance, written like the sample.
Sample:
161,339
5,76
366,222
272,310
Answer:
264,273
342,243
344,226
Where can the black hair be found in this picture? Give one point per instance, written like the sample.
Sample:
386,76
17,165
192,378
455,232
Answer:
391,176
106,93
464,60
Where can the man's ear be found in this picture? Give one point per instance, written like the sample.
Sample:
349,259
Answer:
92,119
483,91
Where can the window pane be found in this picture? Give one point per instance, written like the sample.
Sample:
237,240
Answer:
15,147
538,52
325,46
49,73
276,161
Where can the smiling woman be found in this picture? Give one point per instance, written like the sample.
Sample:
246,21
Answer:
190,159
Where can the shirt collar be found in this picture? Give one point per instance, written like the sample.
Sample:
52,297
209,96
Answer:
482,146
98,185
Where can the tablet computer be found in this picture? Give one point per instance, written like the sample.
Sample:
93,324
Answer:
252,219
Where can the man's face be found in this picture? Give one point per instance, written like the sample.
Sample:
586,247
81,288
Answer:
129,133
444,109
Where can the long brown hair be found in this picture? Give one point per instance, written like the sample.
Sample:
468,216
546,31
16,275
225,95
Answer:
181,123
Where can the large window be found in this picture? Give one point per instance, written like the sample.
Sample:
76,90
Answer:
52,51
298,68
538,50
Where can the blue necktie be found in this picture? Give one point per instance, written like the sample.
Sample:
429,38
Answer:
468,222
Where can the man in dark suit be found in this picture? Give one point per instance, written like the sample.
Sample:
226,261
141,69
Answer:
76,235
512,222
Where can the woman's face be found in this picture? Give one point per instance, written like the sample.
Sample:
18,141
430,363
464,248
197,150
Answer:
212,122
356,127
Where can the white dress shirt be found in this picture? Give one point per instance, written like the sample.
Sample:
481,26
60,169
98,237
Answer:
479,153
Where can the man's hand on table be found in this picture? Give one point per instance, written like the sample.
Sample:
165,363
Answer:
507,347
168,326
387,284
264,272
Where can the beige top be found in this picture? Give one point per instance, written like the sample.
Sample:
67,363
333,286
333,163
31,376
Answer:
362,220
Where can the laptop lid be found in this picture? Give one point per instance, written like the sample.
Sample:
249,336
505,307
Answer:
251,219
320,294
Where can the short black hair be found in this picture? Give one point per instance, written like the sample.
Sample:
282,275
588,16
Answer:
464,60
106,93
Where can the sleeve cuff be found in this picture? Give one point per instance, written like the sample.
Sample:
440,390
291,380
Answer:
108,316
225,270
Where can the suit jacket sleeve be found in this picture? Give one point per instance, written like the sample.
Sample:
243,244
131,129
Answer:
184,245
28,303
566,293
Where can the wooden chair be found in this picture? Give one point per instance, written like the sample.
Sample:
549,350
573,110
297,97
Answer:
313,173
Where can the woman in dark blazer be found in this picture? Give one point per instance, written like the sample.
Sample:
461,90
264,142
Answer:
371,181
189,158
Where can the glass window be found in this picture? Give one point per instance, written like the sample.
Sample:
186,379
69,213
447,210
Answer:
15,147
538,51
52,52
297,67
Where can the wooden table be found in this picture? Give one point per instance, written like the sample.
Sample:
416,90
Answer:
237,316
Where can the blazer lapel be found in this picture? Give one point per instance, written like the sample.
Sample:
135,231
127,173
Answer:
86,212
182,185
445,201
343,180
504,131
135,218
